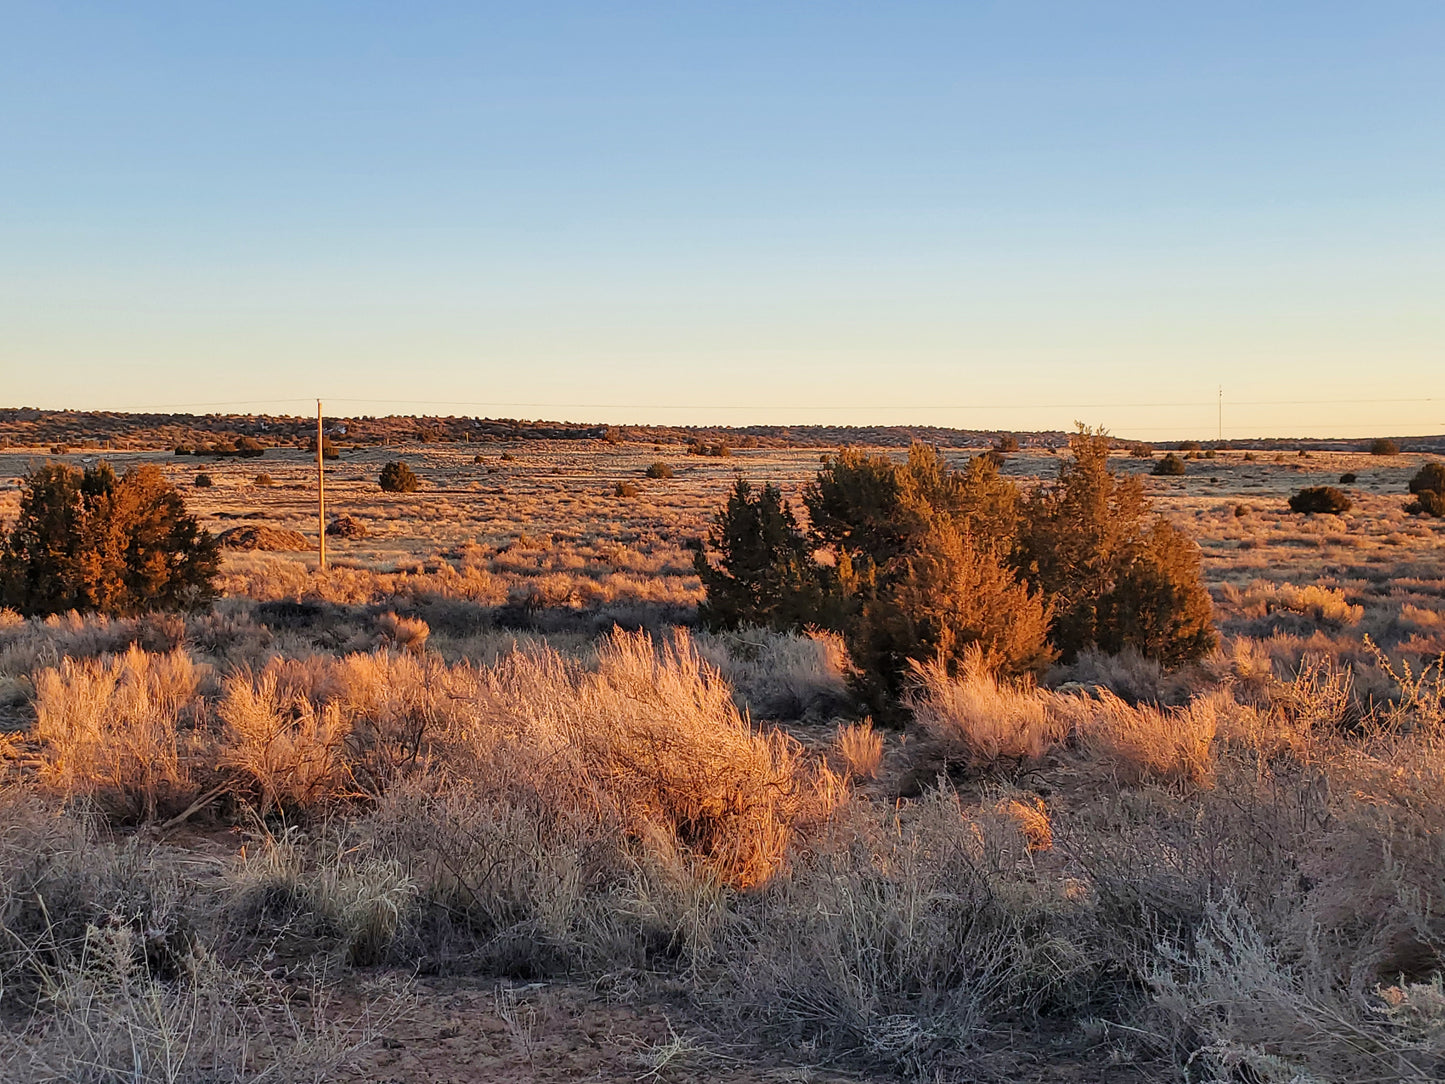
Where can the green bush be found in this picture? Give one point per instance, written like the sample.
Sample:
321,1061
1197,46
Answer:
1430,502
1384,446
927,563
717,450
1429,479
1116,575
1428,485
93,542
397,477
1325,500
659,470
764,574
1170,466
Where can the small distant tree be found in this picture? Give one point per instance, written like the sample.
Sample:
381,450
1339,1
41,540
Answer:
397,477
1428,479
1428,486
1171,466
91,541
1006,442
764,573
1384,446
1325,500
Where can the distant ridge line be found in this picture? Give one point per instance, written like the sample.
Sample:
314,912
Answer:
29,426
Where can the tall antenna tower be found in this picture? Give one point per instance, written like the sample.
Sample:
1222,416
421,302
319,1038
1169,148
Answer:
1221,414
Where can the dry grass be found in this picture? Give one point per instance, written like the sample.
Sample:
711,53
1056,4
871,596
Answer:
121,730
977,718
1240,864
860,748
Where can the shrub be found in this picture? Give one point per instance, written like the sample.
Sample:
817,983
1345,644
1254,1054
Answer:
397,477
1116,576
1158,604
1348,478
764,575
1189,446
508,457
204,481
478,459
659,470
60,449
250,448
1170,466
1430,502
1007,442
1320,499
718,450
625,489
1142,451
92,541
948,598
1384,446
265,481
328,449
185,449
1429,479
346,527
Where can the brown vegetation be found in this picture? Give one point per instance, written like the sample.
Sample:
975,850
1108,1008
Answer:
1218,870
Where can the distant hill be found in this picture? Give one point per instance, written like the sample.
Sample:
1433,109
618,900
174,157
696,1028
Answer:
80,429
30,427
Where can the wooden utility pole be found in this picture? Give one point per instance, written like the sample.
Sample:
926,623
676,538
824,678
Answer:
320,484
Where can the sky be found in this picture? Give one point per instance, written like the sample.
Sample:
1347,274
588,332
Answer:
994,215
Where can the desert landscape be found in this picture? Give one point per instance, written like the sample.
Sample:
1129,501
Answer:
759,543
483,802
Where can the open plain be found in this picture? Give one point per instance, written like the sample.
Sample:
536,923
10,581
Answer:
479,803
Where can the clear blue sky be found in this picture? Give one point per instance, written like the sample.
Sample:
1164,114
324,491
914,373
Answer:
1004,215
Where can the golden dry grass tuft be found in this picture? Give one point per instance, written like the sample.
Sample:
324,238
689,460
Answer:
860,748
